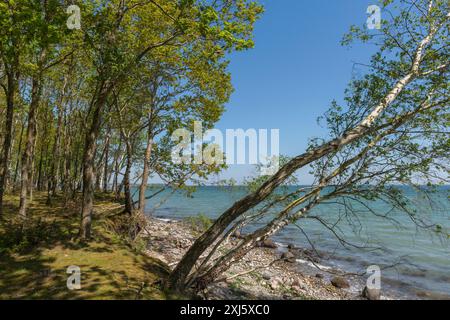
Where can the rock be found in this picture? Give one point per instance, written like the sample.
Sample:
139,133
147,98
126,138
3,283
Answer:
266,276
237,234
340,282
423,294
298,283
319,276
268,243
289,257
297,289
371,294
157,255
275,283
311,255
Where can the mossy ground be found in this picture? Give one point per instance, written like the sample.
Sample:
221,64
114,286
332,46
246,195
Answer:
35,266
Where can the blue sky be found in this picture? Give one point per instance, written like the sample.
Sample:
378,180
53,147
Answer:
295,70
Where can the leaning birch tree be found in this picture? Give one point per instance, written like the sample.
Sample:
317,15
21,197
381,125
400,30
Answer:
406,84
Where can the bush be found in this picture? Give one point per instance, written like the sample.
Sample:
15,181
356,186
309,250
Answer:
200,222
129,228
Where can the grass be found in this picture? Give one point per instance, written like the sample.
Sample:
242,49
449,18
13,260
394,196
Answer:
34,262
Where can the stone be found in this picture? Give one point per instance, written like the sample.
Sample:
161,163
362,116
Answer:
266,276
340,282
371,294
288,257
275,283
297,283
268,243
423,294
237,234
319,276
296,289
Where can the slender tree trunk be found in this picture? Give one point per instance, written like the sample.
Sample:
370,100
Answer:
145,172
27,157
99,170
19,152
67,163
76,170
89,163
43,153
11,91
98,176
54,170
126,180
117,171
31,174
105,165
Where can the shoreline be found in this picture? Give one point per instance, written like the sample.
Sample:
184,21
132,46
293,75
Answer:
288,279
311,266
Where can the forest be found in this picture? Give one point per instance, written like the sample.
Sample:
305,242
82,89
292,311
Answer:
89,101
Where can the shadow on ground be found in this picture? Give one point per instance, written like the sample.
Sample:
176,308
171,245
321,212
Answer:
35,255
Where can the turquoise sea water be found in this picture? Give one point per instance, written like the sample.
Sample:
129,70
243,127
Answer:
414,261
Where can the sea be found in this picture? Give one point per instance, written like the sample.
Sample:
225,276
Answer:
413,257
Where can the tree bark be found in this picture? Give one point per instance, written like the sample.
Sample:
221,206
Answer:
27,156
126,180
105,168
11,91
117,161
88,163
145,172
19,152
56,152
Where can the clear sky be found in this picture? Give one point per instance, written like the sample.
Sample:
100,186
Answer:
295,70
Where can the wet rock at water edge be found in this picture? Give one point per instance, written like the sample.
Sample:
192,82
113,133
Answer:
371,294
340,282
289,257
238,235
268,243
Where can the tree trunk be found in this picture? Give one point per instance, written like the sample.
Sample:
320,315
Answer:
27,156
11,91
56,152
105,165
126,180
116,171
88,163
145,173
19,152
